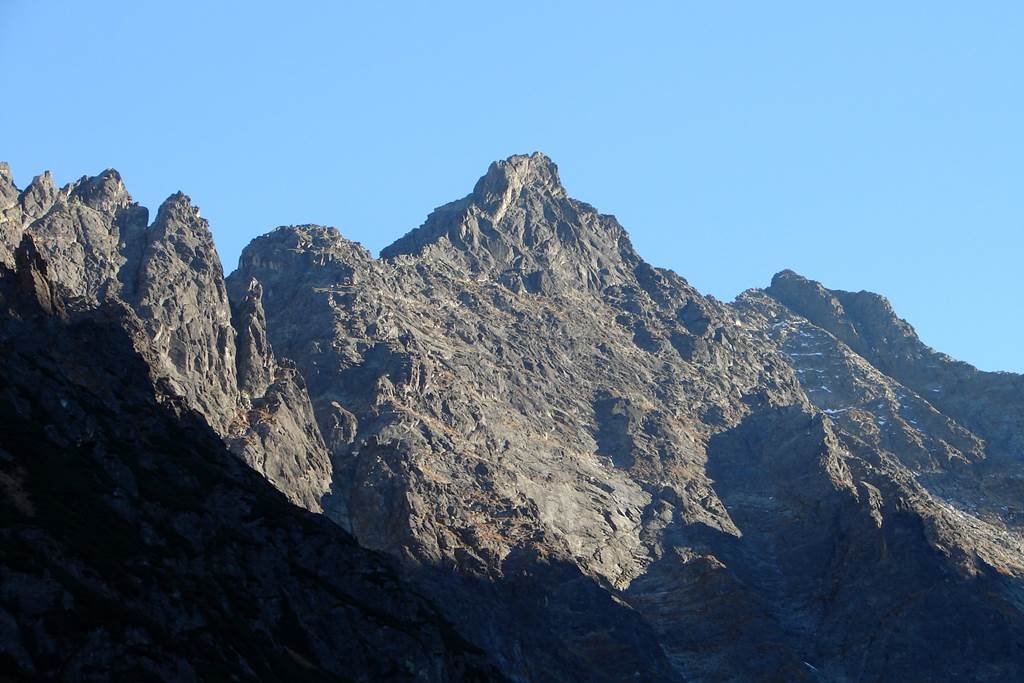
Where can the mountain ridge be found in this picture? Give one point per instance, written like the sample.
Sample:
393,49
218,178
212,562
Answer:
136,546
525,413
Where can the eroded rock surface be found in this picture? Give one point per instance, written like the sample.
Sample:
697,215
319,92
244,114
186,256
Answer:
596,471
990,403
135,547
511,379
98,247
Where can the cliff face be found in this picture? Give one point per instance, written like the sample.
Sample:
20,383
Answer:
136,547
597,471
98,247
512,378
989,403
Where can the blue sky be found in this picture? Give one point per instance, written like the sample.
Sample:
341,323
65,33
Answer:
875,146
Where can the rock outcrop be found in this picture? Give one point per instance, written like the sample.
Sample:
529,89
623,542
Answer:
597,472
98,247
135,547
182,299
512,380
990,403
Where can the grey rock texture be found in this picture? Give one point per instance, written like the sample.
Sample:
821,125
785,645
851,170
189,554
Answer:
520,227
511,380
255,359
597,472
10,215
135,547
276,434
98,247
86,229
990,403
182,299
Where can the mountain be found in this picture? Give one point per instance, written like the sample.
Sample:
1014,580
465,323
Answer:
592,470
137,547
989,403
98,247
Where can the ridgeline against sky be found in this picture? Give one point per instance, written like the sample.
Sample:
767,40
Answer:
870,147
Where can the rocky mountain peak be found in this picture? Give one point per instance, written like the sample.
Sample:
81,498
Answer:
8,191
791,280
811,300
178,214
40,194
182,297
300,253
989,403
105,192
595,469
522,173
520,227
862,320
180,235
89,241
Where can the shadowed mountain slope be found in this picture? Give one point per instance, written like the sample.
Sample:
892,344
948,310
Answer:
512,378
595,471
136,547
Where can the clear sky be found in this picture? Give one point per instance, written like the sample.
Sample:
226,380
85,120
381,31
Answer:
876,146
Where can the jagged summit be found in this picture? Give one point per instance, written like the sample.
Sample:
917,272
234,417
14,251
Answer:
520,226
39,195
789,281
323,251
104,192
596,482
787,274
517,174
99,246
178,213
529,177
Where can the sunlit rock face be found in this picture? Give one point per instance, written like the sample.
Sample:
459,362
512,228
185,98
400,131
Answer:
99,247
135,546
595,471
512,379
